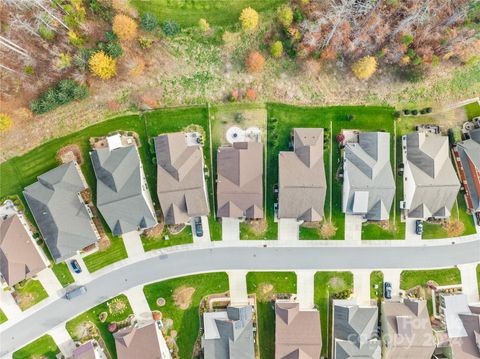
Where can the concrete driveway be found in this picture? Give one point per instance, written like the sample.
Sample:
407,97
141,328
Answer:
133,244
410,230
288,229
230,229
361,286
50,282
353,228
205,227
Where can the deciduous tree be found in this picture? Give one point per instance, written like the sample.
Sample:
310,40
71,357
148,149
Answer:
364,68
285,15
124,27
102,65
277,49
249,19
255,62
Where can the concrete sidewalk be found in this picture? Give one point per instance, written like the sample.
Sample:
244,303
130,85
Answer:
230,229
133,244
139,303
305,289
237,282
9,306
361,286
50,283
63,340
468,273
288,229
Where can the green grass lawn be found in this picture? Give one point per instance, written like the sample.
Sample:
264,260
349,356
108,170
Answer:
185,322
116,313
102,258
472,109
3,317
188,12
264,285
28,293
184,237
308,233
410,278
376,279
326,284
63,274
43,347
478,277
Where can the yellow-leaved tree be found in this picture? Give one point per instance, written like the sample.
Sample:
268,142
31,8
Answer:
5,122
124,27
249,19
364,68
203,25
102,65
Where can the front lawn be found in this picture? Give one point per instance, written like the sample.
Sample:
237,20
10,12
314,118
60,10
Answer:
28,293
412,278
184,237
117,309
44,347
3,317
104,257
376,279
188,293
265,285
327,284
63,274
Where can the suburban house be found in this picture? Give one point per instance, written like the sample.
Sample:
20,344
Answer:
406,330
297,332
302,183
63,218
368,186
20,257
467,155
228,334
181,184
240,180
89,350
123,198
462,323
141,341
429,180
355,331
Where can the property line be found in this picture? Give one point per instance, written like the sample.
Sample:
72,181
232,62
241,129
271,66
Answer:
212,175
395,172
331,184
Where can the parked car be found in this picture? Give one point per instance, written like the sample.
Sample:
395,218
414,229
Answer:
198,227
75,266
418,227
75,292
387,290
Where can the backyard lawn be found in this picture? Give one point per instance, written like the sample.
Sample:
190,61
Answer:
184,237
376,279
187,13
117,309
3,317
184,308
102,258
44,347
327,284
28,293
63,274
265,285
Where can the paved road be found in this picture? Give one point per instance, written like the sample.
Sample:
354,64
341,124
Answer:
213,259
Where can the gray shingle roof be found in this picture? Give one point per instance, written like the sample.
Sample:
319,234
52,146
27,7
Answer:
435,185
124,205
180,179
469,152
229,334
355,331
302,182
61,215
369,186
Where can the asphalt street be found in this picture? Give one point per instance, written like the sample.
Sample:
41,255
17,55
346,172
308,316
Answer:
182,263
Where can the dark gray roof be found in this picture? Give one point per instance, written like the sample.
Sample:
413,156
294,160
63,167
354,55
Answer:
355,331
59,211
122,201
469,152
432,184
369,186
229,335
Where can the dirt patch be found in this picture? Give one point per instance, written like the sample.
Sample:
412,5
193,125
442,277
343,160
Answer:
257,226
155,231
176,228
24,300
70,153
454,228
117,306
86,329
265,291
336,283
182,297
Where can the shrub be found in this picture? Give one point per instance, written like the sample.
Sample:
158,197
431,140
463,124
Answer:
103,65
5,122
62,93
397,114
364,68
249,19
75,13
170,27
145,42
203,25
414,112
46,33
349,117
428,110
81,58
74,39
251,94
148,22
407,39
124,27
277,49
102,8
285,15
406,112
255,62
29,70
297,15
64,60
111,48
112,327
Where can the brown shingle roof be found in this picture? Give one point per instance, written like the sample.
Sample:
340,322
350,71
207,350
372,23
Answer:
302,182
297,333
239,182
138,342
19,257
180,179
